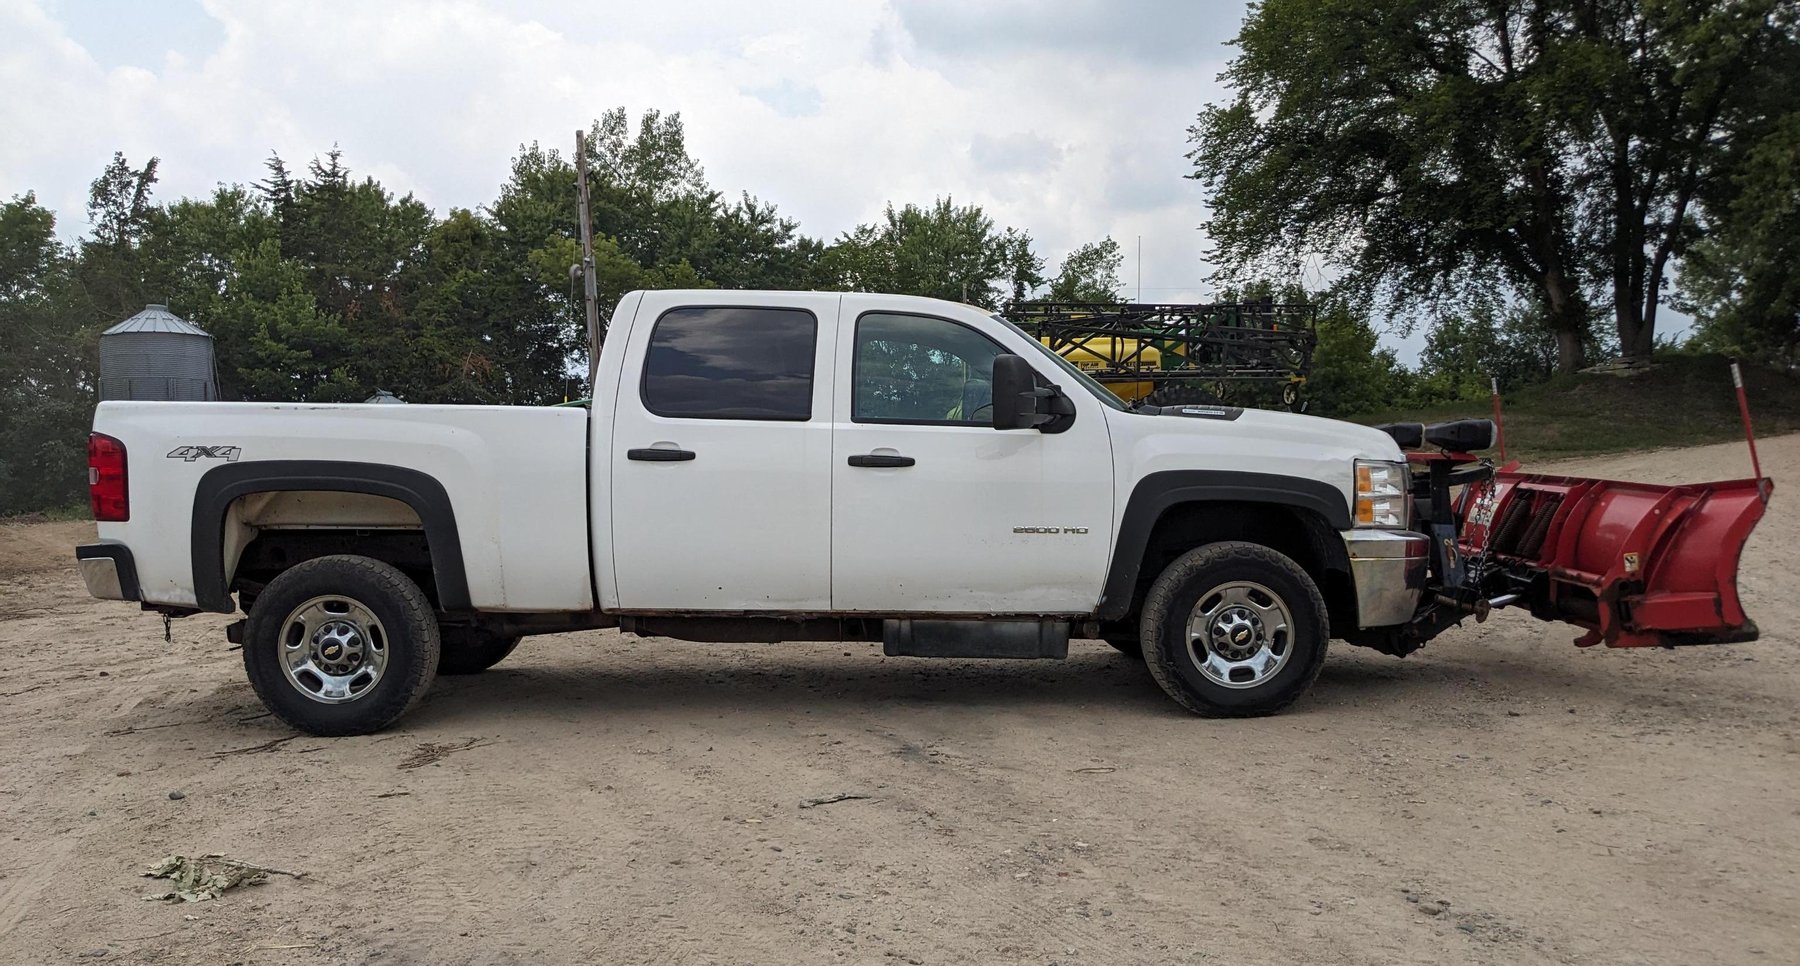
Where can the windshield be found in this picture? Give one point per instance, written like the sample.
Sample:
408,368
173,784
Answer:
1088,382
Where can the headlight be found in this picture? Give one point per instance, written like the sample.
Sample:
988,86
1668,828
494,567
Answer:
1380,494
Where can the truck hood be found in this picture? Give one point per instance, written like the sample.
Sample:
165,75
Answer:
1280,430
1228,440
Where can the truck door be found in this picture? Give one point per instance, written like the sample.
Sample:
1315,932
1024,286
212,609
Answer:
721,448
934,510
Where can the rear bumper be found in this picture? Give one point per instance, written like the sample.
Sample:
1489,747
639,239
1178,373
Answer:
109,570
1389,568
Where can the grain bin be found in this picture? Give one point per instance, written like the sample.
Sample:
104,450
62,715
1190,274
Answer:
154,355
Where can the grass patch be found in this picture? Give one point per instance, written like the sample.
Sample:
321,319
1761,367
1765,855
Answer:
1684,400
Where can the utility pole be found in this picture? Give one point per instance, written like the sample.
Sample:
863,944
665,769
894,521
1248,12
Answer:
590,293
1140,269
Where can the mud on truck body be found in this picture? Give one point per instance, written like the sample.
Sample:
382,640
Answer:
806,466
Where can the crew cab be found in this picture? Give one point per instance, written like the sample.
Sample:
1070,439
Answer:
793,466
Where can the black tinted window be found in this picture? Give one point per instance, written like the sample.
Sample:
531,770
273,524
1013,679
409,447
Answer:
914,369
731,363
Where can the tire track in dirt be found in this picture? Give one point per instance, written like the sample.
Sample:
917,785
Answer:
38,865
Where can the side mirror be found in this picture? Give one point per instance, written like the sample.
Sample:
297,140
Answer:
1023,400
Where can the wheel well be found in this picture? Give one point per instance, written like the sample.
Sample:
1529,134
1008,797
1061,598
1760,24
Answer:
272,551
267,533
1294,532
235,503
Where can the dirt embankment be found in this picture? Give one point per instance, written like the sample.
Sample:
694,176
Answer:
1500,797
29,548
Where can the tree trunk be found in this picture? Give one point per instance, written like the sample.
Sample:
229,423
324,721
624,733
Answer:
1568,351
1637,337
1567,317
1627,247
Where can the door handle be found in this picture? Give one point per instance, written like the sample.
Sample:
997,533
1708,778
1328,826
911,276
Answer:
878,459
651,454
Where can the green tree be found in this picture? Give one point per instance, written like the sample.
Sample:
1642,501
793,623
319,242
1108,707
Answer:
46,378
1352,374
1431,148
109,271
1465,351
119,203
320,286
1743,282
946,251
1089,274
29,251
1674,93
273,341
1022,270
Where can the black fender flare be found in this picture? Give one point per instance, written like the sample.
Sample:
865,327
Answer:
1157,493
223,485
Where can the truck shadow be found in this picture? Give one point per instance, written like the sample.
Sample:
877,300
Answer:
801,680
795,682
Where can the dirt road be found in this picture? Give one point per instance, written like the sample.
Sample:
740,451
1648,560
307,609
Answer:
1500,797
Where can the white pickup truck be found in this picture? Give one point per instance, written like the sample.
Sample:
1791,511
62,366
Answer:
782,466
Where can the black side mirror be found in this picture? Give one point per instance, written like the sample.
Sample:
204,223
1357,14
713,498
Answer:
1023,400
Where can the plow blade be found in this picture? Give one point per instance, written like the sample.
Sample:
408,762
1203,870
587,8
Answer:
1636,564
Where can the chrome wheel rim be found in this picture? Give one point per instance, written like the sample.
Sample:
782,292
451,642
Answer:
333,649
1240,634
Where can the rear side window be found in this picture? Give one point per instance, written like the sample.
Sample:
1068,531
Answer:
731,363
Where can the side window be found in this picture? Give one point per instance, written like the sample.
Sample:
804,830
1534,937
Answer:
731,363
915,369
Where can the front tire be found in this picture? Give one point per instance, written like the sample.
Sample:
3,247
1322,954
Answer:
1234,630
341,645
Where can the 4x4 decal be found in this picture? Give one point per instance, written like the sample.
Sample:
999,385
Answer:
191,453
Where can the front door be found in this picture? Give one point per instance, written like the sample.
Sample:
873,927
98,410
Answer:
935,511
720,466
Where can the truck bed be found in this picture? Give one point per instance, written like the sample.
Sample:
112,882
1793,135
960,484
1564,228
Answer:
515,478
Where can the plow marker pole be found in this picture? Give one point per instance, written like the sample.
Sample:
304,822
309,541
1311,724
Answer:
1737,381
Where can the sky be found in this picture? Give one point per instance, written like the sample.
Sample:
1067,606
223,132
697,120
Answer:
1065,118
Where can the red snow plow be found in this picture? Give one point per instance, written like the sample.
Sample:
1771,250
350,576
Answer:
1635,564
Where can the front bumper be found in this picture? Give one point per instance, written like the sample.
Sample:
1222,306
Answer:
1389,568
109,570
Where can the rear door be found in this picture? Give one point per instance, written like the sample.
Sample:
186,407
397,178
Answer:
934,510
720,470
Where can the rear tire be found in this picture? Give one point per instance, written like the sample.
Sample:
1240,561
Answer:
341,645
1234,630
471,650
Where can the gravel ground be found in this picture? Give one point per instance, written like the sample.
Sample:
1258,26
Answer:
1500,797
